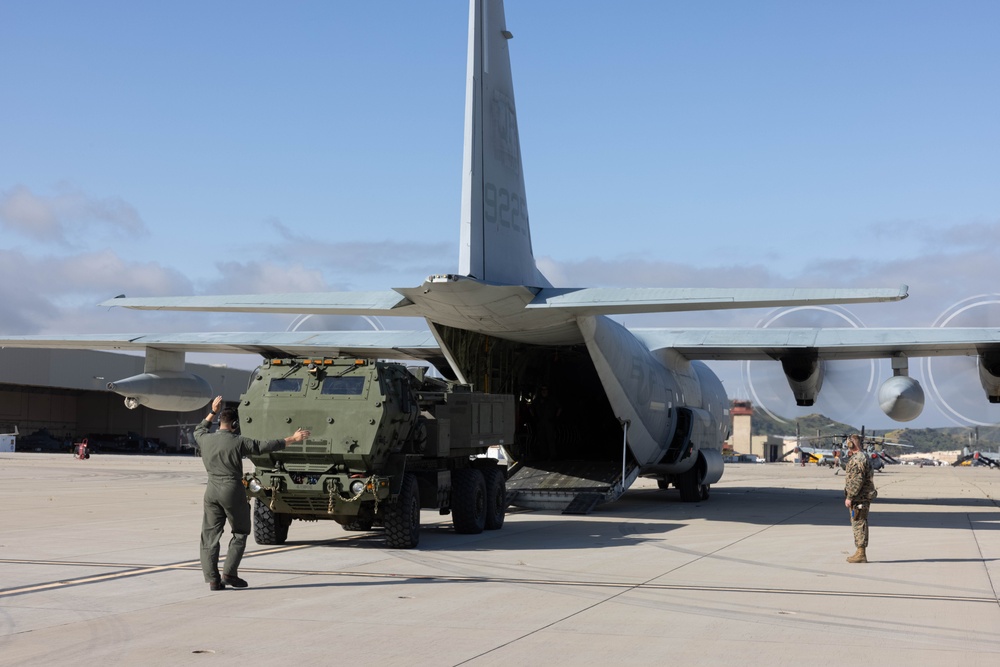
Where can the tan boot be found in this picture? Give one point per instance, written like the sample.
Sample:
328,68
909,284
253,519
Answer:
858,557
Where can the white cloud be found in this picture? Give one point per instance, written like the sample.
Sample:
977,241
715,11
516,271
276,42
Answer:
64,216
403,260
265,278
50,294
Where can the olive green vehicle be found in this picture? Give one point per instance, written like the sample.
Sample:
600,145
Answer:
386,442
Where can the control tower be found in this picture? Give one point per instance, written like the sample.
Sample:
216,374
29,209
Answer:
741,413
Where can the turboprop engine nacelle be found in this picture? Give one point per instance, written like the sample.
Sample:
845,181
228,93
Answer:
901,398
989,375
164,390
805,377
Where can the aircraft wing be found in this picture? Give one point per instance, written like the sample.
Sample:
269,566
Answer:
386,302
418,345
570,301
624,301
835,343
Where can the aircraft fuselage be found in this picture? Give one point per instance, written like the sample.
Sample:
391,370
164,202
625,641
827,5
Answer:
675,411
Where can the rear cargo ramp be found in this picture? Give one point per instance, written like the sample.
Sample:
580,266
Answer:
571,487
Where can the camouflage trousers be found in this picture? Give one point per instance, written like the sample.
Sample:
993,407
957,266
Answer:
859,524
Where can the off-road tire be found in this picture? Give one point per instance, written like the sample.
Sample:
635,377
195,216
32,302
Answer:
268,527
468,501
496,497
359,525
281,524
402,517
364,520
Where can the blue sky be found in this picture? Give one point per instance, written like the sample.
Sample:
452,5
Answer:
194,148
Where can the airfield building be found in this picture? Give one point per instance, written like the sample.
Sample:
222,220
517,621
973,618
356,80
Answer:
60,396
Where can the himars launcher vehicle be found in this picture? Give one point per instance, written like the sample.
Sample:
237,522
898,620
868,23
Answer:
622,402
386,441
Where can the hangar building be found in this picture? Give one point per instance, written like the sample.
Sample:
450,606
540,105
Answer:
65,393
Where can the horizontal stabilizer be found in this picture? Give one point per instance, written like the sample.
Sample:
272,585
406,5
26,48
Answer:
386,302
418,345
828,343
626,300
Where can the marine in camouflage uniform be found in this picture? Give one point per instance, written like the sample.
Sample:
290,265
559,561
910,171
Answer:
859,491
222,453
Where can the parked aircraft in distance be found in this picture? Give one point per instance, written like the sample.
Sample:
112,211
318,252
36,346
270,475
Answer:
978,459
831,455
624,402
836,456
821,457
972,456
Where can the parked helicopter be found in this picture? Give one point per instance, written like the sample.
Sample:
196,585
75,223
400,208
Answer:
971,455
836,456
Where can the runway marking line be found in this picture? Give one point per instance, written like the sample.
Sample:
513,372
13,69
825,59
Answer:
139,570
131,571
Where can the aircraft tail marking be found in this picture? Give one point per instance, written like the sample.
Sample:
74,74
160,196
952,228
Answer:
495,236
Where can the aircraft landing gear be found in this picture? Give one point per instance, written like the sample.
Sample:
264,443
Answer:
691,487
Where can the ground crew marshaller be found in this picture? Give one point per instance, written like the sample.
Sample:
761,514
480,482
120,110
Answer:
859,491
222,453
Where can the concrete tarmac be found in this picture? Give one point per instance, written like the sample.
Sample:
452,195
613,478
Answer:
98,565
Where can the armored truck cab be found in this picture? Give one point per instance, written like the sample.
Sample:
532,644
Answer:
386,441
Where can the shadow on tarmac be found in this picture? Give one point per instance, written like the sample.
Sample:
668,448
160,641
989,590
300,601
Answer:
555,533
647,515
813,507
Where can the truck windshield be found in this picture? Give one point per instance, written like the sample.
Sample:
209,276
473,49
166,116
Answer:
343,386
285,385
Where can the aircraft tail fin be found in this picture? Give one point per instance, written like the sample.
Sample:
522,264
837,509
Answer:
495,237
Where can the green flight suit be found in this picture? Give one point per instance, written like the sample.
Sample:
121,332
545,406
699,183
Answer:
222,453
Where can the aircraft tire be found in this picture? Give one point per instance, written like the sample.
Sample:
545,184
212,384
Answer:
468,501
268,528
703,490
662,483
688,484
402,520
496,498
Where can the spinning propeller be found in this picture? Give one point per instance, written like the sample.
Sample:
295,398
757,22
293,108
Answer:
953,382
848,387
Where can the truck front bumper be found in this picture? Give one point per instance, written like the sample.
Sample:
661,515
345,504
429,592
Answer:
313,495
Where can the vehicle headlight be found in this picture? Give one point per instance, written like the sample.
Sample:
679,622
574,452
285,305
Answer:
254,485
357,486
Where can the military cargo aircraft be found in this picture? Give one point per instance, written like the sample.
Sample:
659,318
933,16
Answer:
621,402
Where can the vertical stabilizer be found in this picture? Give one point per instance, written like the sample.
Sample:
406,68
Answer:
495,239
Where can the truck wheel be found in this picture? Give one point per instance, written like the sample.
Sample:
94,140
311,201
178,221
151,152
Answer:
281,524
359,525
268,528
363,521
468,501
496,498
402,518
